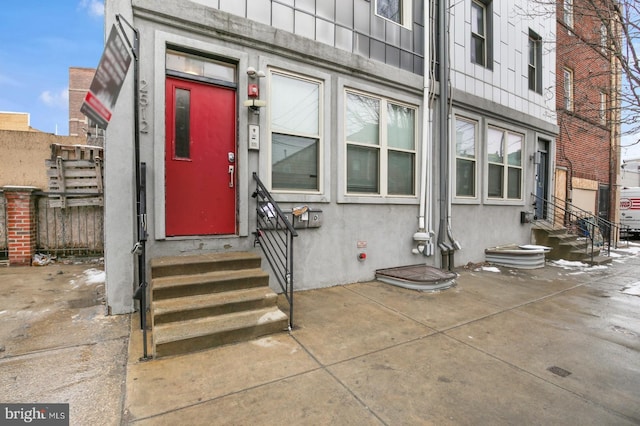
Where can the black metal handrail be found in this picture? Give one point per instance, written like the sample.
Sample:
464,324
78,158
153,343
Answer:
583,223
274,234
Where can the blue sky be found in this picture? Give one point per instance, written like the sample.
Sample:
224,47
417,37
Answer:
39,41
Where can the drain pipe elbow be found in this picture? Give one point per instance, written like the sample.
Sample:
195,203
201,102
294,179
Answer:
455,243
424,242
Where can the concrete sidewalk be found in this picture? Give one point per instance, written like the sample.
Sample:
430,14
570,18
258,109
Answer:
549,346
58,346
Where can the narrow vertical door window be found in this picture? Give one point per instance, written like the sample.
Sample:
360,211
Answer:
181,146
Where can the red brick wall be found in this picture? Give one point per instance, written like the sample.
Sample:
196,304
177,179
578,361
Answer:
21,224
584,141
79,83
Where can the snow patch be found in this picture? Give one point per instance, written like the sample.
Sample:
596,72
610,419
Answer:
267,342
633,289
490,269
574,265
94,276
632,248
270,316
568,264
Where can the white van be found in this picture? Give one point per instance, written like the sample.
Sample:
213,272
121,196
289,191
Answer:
630,210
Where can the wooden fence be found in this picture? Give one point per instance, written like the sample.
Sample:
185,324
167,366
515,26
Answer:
63,232
69,217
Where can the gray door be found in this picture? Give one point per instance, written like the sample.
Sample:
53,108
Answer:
542,179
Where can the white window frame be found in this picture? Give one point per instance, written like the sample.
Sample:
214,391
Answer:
603,108
476,159
604,37
567,12
406,9
382,197
324,155
567,78
504,199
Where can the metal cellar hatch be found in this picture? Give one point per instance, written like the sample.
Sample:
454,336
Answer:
417,277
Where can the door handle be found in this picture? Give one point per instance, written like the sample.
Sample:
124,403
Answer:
231,171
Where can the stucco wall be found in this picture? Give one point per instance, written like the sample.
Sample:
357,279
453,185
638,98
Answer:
382,227
22,156
504,81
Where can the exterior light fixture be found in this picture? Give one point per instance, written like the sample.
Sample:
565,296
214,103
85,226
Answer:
253,91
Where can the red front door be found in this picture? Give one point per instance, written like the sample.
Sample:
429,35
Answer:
200,168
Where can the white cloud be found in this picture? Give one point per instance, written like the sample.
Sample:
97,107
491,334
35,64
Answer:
55,99
93,7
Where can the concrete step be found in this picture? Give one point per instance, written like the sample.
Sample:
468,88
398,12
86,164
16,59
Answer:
200,306
565,245
576,255
203,333
201,263
597,260
168,287
208,300
575,244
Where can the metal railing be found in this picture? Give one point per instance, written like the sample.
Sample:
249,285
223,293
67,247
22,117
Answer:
274,234
599,233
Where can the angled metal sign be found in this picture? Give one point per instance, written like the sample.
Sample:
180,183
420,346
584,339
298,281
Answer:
106,84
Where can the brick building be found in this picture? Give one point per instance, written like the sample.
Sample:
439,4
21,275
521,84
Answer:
79,83
17,121
588,144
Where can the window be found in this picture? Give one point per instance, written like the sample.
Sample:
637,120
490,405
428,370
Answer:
535,62
504,158
380,145
186,65
567,9
295,132
398,11
568,89
466,161
182,119
604,37
478,33
603,108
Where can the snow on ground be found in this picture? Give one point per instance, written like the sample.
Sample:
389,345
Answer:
633,289
89,276
94,276
632,248
490,269
568,264
576,266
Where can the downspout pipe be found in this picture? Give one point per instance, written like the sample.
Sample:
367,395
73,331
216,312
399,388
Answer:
443,105
423,236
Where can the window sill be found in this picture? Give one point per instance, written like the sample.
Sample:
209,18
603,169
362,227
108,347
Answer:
377,199
462,200
500,202
299,197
